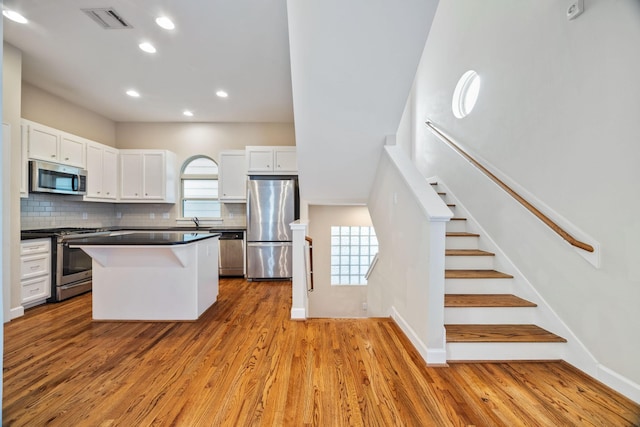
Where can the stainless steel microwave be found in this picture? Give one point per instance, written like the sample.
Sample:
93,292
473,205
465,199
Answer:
45,177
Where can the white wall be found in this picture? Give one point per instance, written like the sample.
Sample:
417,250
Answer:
408,280
327,300
557,114
352,63
51,110
188,139
3,231
11,104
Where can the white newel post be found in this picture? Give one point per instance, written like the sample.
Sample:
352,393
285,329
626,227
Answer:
299,301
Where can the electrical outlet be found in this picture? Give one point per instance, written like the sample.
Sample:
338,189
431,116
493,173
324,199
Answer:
364,306
84,215
165,215
118,215
152,215
575,8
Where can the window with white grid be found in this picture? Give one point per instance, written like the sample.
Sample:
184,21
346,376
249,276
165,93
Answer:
352,250
200,188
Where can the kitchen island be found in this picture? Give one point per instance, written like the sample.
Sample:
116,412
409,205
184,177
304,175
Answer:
152,276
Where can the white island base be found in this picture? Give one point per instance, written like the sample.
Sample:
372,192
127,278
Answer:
154,283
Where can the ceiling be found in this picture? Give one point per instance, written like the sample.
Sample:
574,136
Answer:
350,70
240,46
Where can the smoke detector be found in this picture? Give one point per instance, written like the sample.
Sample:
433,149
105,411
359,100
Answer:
107,18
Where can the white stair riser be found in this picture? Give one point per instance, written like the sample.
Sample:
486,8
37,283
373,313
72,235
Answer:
479,286
489,315
455,225
463,262
461,242
505,351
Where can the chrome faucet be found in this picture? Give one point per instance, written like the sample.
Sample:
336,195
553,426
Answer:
196,221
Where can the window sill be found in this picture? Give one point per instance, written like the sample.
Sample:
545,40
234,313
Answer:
202,221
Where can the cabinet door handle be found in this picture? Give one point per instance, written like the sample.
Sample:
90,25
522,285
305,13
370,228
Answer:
35,267
66,158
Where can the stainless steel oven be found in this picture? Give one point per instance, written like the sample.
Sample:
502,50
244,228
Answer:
73,271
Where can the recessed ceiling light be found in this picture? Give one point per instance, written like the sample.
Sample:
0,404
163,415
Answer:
133,93
222,94
147,47
187,113
14,16
165,23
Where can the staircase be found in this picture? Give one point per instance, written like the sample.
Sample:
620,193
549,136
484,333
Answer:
483,319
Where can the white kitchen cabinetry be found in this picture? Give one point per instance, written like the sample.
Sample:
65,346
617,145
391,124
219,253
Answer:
147,176
35,268
52,145
271,160
232,177
102,173
24,162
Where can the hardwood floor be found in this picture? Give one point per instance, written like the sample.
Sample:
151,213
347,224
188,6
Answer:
245,363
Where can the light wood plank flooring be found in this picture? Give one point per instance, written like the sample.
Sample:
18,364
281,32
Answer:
245,363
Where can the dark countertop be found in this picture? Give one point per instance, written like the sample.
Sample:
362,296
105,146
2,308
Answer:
202,228
28,235
144,239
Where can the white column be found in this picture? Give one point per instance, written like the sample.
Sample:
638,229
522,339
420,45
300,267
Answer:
300,304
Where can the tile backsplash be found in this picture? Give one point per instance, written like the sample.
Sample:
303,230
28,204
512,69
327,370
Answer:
55,210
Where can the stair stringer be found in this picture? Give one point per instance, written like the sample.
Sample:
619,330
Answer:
573,351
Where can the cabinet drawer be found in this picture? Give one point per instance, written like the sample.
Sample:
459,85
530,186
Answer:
36,289
28,247
35,265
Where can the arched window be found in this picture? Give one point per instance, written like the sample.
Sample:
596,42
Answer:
200,188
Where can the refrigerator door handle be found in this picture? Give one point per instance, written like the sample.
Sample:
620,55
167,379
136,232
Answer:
269,244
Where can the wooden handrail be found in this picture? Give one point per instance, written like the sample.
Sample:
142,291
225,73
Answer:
555,227
310,241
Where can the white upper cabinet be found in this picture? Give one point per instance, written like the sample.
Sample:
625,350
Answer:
272,160
232,176
72,150
147,176
102,173
52,145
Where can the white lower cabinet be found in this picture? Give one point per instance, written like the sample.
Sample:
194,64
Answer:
35,271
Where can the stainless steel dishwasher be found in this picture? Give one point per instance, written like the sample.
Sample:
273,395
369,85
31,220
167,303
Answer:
231,262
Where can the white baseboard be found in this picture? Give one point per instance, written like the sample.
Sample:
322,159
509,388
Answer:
298,314
16,312
430,356
619,383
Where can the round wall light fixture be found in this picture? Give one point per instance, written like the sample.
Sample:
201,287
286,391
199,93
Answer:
466,94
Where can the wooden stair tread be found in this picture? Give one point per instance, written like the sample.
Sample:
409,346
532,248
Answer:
467,252
458,219
442,194
476,274
485,300
500,333
461,234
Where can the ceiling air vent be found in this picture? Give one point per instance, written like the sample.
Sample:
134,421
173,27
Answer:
108,18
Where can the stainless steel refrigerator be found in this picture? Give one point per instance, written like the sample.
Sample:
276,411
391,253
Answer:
272,204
